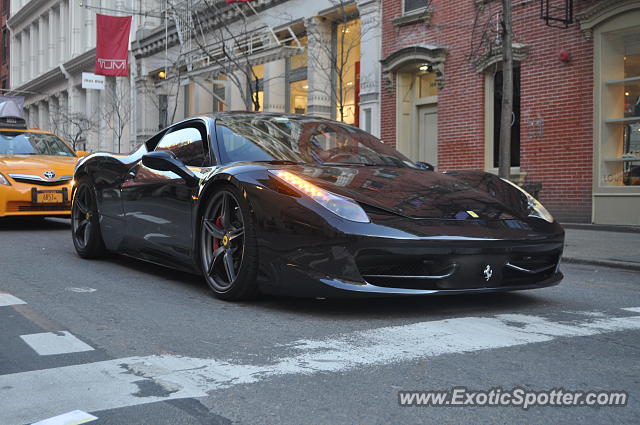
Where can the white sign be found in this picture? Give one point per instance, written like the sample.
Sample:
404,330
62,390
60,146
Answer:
92,81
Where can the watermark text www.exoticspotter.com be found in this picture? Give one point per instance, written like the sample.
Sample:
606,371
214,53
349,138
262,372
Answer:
515,397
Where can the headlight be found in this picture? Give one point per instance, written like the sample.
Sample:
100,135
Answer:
4,181
341,206
536,209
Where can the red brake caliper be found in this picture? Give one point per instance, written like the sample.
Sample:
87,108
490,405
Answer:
216,242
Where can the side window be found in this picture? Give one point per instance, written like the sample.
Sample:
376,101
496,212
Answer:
187,145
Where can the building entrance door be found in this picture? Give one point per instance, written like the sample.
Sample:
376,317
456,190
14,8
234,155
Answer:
428,134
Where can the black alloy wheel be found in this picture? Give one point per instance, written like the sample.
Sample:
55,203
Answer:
85,226
228,249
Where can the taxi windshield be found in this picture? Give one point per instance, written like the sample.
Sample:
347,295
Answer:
31,143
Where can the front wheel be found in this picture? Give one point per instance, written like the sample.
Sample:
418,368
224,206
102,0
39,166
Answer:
85,225
228,248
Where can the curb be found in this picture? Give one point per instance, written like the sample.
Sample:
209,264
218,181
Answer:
603,263
602,227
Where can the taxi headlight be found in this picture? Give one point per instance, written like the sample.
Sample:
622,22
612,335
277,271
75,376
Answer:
4,181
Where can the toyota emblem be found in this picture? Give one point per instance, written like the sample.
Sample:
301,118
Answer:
49,174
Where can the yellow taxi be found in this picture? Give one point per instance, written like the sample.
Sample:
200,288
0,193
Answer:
36,173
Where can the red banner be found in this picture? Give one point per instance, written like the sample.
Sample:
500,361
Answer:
112,45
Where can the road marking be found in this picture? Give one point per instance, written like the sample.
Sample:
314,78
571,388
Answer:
8,299
82,289
49,343
75,417
117,383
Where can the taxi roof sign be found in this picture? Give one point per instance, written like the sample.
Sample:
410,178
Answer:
11,113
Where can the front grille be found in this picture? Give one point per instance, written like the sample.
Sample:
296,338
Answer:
413,272
27,206
42,182
457,269
523,269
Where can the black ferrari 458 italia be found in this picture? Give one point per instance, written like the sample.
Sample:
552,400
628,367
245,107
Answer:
306,206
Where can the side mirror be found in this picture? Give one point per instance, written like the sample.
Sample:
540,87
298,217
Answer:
425,166
166,161
80,154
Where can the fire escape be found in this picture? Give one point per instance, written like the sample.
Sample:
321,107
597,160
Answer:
217,38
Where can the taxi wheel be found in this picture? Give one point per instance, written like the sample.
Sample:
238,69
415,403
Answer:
85,225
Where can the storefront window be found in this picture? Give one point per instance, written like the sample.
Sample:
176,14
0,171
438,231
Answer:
348,72
298,93
257,90
621,108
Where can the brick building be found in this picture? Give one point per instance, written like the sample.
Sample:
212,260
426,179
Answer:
576,97
4,62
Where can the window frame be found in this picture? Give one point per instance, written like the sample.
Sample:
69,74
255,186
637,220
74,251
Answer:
203,128
412,11
489,132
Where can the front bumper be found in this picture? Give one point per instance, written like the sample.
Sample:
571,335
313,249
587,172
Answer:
457,269
18,200
310,285
389,263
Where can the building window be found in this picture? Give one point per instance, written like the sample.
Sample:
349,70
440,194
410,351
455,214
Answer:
515,120
300,60
347,72
256,83
296,76
219,89
412,5
427,84
163,111
298,96
367,120
620,148
5,44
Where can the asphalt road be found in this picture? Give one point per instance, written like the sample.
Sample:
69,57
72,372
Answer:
140,344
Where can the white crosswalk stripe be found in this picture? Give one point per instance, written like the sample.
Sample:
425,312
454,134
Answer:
8,299
75,417
28,396
50,343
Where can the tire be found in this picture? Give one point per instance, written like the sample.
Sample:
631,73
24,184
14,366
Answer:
85,222
228,249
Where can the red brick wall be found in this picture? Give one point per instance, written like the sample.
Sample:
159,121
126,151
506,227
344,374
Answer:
559,155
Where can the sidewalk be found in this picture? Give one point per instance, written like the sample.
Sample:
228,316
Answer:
592,245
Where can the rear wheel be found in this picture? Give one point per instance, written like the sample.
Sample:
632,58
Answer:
85,225
228,249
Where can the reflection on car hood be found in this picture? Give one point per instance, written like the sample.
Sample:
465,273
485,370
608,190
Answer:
413,192
36,164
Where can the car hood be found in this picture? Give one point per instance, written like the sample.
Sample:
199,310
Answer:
415,193
37,164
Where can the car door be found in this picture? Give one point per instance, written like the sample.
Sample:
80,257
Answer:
158,205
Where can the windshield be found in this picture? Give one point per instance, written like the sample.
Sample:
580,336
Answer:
302,140
28,143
